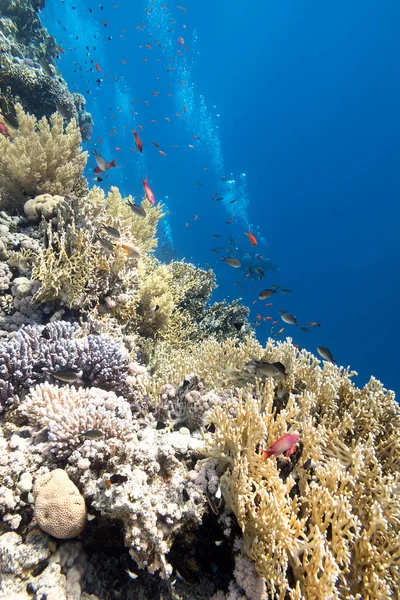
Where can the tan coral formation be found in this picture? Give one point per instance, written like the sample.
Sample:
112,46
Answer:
325,523
40,157
59,507
44,205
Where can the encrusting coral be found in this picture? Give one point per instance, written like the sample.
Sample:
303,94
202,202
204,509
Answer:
40,157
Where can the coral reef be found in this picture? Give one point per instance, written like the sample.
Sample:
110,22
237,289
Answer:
321,524
59,507
39,157
28,73
130,415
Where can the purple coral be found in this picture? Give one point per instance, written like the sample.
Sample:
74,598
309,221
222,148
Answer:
34,352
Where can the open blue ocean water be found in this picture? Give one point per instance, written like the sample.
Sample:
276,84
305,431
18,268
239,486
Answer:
289,112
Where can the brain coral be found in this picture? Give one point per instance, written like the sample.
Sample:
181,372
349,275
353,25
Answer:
59,507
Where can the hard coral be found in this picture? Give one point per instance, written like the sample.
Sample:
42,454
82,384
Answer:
39,157
43,205
141,230
329,515
59,507
68,412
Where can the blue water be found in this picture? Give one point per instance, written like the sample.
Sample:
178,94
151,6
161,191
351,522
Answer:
297,105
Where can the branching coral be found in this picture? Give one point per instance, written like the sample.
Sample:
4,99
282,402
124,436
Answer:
39,157
141,230
325,523
67,412
35,352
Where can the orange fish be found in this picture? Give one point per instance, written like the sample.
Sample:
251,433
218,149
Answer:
138,141
123,61
251,237
113,131
60,49
181,41
267,318
269,304
148,47
98,68
139,28
285,444
162,153
274,322
118,148
153,121
258,317
177,114
155,93
169,120
140,127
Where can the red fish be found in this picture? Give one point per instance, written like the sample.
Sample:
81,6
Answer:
181,41
285,444
102,164
60,49
98,68
251,237
148,192
138,141
4,130
162,153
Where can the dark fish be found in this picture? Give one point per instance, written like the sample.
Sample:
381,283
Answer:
212,504
46,67
11,121
138,210
238,326
259,272
118,479
326,354
92,434
112,232
285,291
232,262
67,375
98,179
313,324
265,368
289,319
230,220
105,244
155,308
219,199
215,235
215,250
304,329
266,294
185,495
63,111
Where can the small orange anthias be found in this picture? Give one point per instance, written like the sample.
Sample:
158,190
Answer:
285,444
252,238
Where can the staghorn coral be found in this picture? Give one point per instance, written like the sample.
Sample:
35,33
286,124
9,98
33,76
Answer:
141,230
39,157
67,412
329,515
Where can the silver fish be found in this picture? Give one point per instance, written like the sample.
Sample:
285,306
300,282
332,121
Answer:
232,262
46,68
289,319
100,161
326,354
92,434
265,368
67,375
266,294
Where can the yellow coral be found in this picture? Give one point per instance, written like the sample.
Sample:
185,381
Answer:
156,301
141,229
72,269
331,531
39,157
